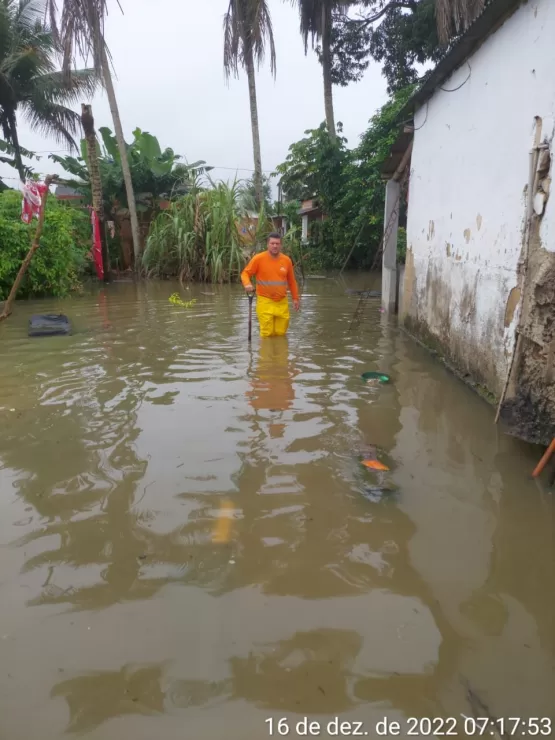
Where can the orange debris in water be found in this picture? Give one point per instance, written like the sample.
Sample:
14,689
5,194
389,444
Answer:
375,465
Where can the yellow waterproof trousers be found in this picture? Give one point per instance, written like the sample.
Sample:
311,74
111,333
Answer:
273,316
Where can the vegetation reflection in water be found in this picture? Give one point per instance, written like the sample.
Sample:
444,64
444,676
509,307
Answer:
132,439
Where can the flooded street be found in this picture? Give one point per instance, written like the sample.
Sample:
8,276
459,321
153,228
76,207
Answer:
190,545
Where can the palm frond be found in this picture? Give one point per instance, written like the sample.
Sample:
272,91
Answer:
5,146
59,88
30,13
30,54
248,31
453,17
53,120
232,40
311,16
79,30
262,30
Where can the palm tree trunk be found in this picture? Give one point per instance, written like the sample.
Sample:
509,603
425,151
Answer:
87,121
27,261
15,143
135,231
326,68
258,190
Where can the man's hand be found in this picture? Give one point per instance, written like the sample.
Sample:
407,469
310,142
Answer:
297,304
249,288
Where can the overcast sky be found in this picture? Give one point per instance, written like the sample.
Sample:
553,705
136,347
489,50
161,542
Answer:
170,82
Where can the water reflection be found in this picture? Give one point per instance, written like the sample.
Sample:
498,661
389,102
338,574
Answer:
309,672
272,384
95,698
133,439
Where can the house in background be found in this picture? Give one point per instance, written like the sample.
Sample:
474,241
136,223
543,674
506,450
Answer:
249,224
479,281
63,192
310,212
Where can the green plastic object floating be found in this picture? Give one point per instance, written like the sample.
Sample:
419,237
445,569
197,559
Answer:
380,377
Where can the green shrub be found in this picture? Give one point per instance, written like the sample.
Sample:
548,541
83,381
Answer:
61,258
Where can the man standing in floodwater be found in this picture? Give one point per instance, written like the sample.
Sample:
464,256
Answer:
274,273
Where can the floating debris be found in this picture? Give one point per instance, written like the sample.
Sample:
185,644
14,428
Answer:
365,293
373,376
374,465
177,301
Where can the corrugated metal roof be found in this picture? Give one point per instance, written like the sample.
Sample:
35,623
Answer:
64,191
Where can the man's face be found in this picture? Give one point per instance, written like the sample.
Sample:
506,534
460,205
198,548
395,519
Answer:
274,247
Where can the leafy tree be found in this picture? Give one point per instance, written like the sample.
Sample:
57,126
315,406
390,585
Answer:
398,34
313,166
29,81
247,30
405,39
347,183
362,205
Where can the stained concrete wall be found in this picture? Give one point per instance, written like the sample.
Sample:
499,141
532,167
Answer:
469,172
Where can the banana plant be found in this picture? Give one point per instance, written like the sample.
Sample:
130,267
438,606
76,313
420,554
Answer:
157,175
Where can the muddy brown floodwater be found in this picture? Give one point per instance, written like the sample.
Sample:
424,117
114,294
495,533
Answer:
190,546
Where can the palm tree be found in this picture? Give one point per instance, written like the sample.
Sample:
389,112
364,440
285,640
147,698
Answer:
30,83
455,16
316,22
80,28
247,30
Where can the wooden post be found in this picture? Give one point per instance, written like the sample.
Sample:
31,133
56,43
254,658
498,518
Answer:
87,121
34,246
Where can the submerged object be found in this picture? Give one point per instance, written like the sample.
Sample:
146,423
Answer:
380,377
374,465
365,293
49,325
377,493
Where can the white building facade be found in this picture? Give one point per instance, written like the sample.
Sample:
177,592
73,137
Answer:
481,225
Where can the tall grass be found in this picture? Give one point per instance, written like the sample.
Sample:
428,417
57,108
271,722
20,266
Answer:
199,237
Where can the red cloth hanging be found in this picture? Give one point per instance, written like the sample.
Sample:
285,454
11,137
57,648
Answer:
32,200
97,246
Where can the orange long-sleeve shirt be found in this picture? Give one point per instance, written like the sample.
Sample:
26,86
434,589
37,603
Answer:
273,275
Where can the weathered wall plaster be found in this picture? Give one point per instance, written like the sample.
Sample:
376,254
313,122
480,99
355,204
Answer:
468,189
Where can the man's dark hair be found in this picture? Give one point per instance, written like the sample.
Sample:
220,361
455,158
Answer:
274,235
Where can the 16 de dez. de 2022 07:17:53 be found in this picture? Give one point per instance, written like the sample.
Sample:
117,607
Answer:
416,726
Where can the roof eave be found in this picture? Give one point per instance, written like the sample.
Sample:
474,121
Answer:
494,13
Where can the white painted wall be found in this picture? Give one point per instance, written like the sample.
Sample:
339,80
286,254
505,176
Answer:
470,165
304,228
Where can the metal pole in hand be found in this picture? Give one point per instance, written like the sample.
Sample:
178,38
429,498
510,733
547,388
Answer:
251,296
